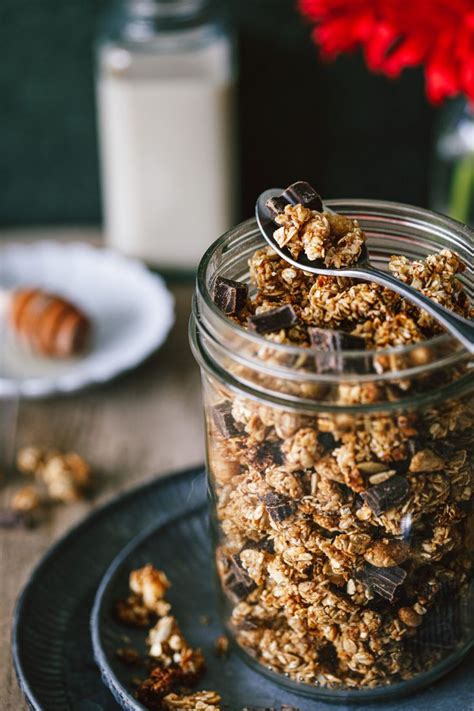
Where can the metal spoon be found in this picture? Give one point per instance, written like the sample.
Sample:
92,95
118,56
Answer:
459,327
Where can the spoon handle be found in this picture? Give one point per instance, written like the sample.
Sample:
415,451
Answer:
461,328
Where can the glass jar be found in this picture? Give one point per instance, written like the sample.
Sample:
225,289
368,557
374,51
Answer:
165,94
340,484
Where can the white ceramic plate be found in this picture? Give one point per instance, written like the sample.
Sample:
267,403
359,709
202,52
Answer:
130,308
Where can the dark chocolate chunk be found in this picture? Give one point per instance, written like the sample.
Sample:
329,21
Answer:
230,296
264,544
236,581
277,205
286,707
325,339
273,320
400,465
383,581
265,454
279,507
386,495
303,193
224,420
327,440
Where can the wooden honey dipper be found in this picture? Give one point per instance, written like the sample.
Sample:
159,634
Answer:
49,324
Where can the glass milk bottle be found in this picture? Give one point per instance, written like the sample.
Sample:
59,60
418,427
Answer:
165,89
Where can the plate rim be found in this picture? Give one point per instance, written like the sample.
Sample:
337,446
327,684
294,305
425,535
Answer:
101,511
37,387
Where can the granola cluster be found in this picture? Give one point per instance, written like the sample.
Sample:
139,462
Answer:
174,666
379,316
345,553
345,540
58,478
334,239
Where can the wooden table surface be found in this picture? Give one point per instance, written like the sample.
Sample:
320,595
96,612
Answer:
142,425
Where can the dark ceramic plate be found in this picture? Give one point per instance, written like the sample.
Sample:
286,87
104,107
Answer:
52,648
181,547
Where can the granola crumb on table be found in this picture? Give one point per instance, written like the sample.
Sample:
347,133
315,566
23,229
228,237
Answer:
175,666
345,546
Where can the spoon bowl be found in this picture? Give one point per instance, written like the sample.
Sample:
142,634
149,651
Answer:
459,327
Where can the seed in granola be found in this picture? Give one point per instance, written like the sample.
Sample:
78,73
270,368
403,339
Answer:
273,320
236,581
381,476
386,495
230,296
426,461
128,656
409,617
223,419
383,581
325,339
279,507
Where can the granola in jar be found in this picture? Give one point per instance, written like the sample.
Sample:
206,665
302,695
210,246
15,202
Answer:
340,430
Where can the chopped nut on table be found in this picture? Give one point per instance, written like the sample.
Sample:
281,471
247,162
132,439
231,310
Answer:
175,665
152,585
66,477
26,500
221,645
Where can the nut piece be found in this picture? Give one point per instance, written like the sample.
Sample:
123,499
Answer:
66,476
409,617
26,500
29,460
426,461
385,554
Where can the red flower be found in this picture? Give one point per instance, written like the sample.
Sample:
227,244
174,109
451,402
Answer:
396,34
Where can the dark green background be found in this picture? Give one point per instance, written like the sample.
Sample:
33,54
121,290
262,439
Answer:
351,133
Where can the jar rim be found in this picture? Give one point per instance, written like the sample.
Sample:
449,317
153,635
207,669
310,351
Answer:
461,234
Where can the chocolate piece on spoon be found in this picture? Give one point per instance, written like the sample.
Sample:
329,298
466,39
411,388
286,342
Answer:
277,205
303,193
